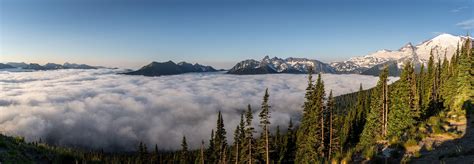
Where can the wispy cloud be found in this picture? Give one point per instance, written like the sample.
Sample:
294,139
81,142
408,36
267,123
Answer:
459,9
437,33
100,109
467,24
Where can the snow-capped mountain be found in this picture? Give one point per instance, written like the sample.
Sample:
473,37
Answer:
278,65
441,45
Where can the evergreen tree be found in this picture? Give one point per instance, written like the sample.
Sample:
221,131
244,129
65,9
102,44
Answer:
414,95
464,92
309,92
310,136
239,139
306,151
248,152
429,78
289,148
277,146
236,143
334,144
141,152
355,119
211,158
201,158
320,113
156,155
401,113
184,151
450,86
444,78
264,123
421,90
220,142
374,125
361,107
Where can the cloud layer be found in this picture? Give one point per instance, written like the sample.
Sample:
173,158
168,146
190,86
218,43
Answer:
101,109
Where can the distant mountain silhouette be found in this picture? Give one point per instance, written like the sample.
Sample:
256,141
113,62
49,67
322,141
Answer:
170,68
49,66
5,66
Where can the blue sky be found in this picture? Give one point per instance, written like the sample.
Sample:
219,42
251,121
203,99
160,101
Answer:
131,33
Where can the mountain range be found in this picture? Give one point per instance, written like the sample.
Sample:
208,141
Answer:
444,45
441,46
48,66
278,65
170,68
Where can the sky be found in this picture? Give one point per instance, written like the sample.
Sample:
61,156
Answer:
132,33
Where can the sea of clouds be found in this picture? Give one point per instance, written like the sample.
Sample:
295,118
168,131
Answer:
102,109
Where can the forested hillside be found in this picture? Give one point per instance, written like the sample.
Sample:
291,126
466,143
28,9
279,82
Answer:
385,123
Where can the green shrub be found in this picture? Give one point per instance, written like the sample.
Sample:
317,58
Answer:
433,120
369,152
348,154
429,147
437,129
3,144
417,154
19,140
394,140
410,142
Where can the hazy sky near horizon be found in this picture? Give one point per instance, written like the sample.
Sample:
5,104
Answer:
131,33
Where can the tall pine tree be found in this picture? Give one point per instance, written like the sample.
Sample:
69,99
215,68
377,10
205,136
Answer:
374,126
248,146
310,135
183,159
220,141
264,123
401,112
334,140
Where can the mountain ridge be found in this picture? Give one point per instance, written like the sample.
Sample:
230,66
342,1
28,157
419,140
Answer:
170,68
279,65
441,45
47,66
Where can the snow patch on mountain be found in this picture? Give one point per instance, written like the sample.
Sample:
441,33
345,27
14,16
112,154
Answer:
441,45
279,65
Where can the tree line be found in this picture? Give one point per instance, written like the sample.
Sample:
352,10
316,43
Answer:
356,124
346,127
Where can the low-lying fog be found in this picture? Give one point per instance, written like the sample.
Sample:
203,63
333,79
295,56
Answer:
101,109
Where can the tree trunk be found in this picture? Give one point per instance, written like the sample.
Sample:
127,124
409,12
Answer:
385,109
250,151
224,156
237,153
266,146
330,135
322,128
202,153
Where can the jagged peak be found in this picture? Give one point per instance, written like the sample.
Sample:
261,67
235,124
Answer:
183,63
409,45
155,62
266,57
